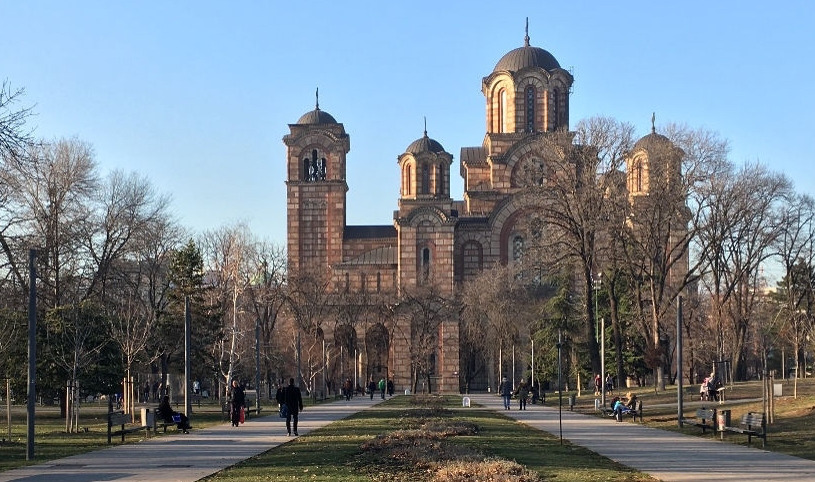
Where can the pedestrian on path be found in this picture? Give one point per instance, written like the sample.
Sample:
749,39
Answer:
238,402
371,387
523,393
294,402
506,391
382,387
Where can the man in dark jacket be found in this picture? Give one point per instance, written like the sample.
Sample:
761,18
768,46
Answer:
294,402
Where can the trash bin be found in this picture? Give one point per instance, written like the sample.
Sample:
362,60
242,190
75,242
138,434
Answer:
777,389
571,401
722,419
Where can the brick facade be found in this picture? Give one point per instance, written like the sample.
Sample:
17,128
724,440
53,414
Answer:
433,238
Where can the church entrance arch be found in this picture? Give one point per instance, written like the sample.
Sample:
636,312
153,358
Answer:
345,341
377,344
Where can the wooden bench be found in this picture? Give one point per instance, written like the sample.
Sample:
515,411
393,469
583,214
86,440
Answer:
120,419
753,421
703,415
635,413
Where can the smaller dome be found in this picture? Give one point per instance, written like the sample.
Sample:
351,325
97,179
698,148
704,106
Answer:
423,145
654,141
317,117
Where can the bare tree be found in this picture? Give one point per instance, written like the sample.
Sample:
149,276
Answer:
54,195
310,303
266,298
576,207
742,227
662,225
425,308
795,244
226,254
15,136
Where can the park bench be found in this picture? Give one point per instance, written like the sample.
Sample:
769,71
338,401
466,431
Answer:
634,413
120,419
703,416
752,421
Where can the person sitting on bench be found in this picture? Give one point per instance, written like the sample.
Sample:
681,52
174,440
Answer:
166,412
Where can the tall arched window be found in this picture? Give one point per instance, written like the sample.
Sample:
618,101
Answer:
378,281
530,109
440,180
408,180
425,264
502,111
363,281
425,179
555,110
517,247
636,176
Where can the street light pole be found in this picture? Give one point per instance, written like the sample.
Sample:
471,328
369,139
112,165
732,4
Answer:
601,331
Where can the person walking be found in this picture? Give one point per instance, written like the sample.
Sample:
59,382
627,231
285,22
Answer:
523,394
238,401
506,391
294,401
382,386
371,387
390,387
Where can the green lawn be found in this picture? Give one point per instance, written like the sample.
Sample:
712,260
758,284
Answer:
339,451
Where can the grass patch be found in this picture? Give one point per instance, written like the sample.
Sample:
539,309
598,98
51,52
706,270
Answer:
408,439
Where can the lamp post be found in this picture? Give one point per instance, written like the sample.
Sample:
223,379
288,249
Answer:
600,328
560,385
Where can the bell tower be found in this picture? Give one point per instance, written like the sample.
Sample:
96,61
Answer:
316,149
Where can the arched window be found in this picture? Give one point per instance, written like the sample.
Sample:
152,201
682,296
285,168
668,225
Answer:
315,167
440,180
517,247
425,179
363,281
530,109
502,110
408,181
425,264
636,176
378,281
555,110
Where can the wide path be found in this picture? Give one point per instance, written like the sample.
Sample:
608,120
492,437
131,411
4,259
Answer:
184,458
668,456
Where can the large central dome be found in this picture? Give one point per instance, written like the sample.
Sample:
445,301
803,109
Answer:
527,56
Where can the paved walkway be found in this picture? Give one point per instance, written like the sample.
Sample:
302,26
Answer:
668,456
184,458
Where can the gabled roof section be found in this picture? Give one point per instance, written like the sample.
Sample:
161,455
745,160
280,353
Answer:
386,255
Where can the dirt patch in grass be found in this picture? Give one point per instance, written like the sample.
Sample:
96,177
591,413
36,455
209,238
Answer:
423,452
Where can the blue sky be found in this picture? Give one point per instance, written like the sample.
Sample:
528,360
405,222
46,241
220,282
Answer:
198,95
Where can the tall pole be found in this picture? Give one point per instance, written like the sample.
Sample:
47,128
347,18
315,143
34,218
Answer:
257,366
560,385
187,370
600,329
679,360
32,351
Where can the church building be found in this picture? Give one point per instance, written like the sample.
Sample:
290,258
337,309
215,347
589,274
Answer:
433,238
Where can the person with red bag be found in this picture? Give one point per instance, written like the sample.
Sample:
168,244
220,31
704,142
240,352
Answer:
238,401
